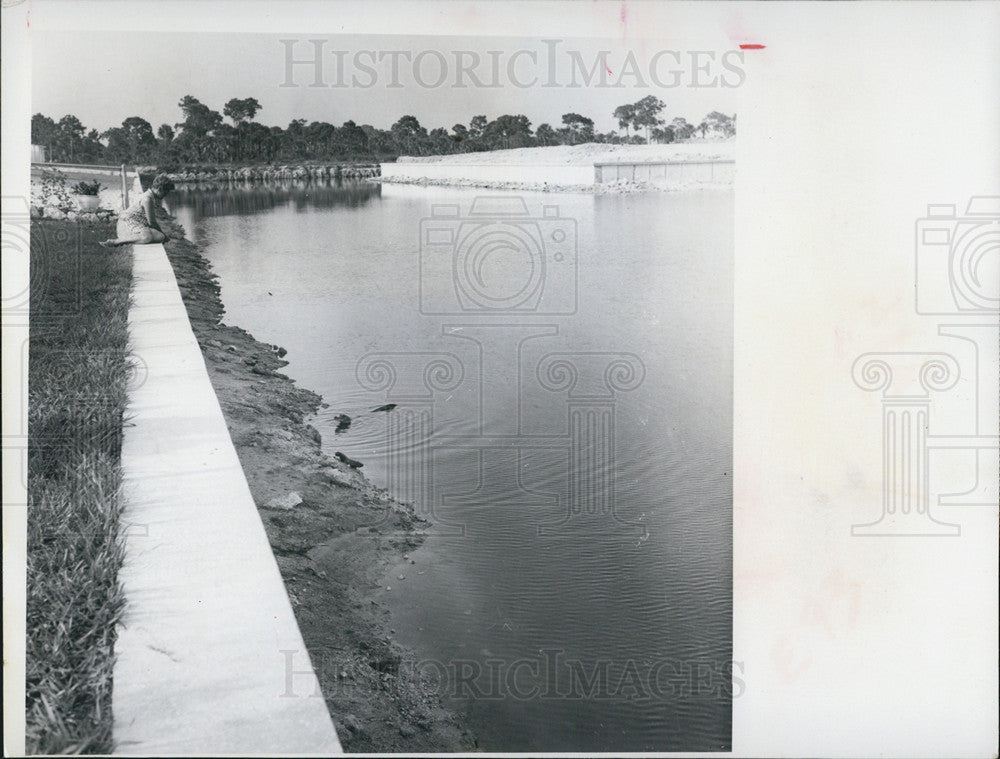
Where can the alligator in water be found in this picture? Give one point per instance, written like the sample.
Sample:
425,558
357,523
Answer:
350,462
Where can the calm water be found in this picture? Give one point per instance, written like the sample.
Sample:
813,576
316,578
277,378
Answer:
561,366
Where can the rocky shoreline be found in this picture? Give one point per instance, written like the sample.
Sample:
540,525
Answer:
50,213
323,172
333,534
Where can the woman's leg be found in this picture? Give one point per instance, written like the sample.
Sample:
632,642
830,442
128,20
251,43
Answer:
125,234
145,237
149,235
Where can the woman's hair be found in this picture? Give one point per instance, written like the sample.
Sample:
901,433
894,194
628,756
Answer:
162,184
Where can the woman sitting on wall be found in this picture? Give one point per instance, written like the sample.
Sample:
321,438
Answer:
137,223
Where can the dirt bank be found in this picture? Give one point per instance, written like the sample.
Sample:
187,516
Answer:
333,534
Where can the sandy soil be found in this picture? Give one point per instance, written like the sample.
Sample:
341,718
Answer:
333,534
589,153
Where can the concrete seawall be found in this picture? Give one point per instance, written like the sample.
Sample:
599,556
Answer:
667,173
203,649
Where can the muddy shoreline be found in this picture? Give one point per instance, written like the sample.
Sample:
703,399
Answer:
333,534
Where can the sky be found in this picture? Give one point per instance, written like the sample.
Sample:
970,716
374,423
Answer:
103,78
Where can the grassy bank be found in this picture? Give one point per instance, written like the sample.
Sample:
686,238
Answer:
76,400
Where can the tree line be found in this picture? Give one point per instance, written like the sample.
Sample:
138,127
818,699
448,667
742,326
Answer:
205,136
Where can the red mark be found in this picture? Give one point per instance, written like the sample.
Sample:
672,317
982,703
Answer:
623,13
751,47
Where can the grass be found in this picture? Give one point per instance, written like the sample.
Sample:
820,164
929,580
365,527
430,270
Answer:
78,373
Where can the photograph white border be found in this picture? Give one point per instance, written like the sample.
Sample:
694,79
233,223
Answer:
853,118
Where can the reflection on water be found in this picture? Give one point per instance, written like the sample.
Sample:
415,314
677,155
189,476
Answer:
222,199
575,457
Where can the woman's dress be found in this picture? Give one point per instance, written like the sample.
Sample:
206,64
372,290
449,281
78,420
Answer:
132,222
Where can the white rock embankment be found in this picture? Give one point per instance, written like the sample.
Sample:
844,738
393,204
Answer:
561,168
587,154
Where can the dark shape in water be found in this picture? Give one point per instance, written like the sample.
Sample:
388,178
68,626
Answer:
386,407
350,462
343,422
